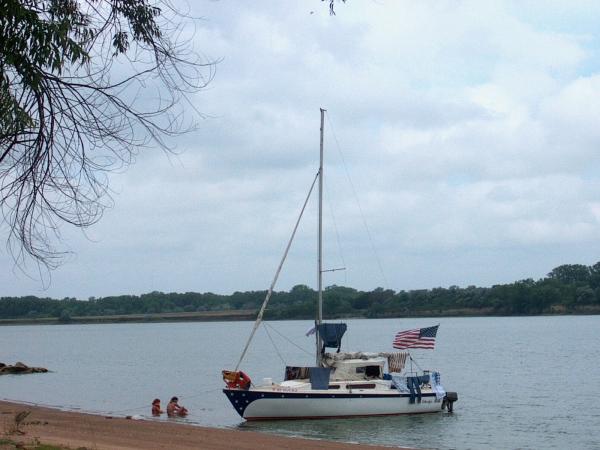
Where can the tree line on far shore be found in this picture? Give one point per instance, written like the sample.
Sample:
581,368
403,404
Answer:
567,289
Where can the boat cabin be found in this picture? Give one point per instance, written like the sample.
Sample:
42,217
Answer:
344,367
357,369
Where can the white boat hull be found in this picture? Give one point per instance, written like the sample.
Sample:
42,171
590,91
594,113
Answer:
256,404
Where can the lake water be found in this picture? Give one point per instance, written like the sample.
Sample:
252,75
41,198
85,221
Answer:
523,382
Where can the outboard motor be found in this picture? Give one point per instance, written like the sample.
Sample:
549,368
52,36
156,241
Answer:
448,402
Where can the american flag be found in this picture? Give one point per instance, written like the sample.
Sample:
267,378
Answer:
417,338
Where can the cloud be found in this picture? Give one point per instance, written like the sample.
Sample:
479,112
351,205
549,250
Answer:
468,130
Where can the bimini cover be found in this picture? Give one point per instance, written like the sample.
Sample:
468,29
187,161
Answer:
331,334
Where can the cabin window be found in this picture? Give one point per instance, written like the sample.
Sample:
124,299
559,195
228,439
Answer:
334,386
369,371
373,371
361,386
296,373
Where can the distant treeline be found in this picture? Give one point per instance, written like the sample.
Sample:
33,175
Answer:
567,289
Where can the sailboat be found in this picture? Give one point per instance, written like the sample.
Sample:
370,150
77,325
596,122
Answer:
340,384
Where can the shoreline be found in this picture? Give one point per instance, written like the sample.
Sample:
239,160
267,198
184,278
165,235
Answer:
250,315
76,430
207,316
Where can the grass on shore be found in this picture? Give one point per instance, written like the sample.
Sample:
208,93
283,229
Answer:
9,444
14,428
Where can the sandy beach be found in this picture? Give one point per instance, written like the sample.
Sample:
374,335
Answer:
76,430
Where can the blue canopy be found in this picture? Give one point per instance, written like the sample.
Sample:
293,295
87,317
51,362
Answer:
319,377
331,334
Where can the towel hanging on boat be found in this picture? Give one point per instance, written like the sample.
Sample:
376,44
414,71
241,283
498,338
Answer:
319,377
440,392
400,383
414,386
408,385
331,334
396,361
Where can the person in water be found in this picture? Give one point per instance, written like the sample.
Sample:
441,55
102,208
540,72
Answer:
156,411
175,409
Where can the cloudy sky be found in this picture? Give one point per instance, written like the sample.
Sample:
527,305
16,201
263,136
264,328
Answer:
462,148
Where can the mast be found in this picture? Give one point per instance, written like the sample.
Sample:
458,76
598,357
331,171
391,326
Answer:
320,246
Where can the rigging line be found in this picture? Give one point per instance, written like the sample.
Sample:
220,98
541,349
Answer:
287,339
202,393
58,407
147,406
270,291
139,408
92,411
113,411
274,346
415,361
337,238
362,215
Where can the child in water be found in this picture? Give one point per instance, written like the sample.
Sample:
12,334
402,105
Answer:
156,411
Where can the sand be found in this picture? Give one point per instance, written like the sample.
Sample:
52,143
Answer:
75,430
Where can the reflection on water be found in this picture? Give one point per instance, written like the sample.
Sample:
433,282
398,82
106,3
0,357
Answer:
505,370
390,430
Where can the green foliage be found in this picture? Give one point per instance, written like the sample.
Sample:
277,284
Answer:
65,316
43,37
571,273
36,445
84,85
567,289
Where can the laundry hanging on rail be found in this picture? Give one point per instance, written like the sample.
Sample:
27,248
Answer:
331,334
396,361
400,383
440,392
